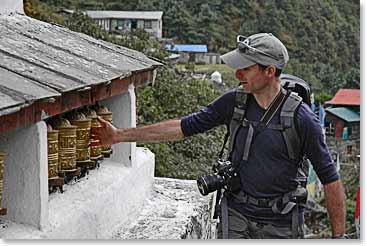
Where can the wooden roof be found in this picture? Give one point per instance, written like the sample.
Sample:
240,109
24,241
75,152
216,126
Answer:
39,61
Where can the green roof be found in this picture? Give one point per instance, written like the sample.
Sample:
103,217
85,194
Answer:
345,114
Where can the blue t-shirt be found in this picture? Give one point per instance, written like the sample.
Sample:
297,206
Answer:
268,172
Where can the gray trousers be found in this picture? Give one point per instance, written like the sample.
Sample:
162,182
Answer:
240,227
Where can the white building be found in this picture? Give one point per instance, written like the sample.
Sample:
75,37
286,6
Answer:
121,21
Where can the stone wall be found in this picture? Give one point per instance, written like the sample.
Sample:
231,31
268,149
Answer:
175,210
341,146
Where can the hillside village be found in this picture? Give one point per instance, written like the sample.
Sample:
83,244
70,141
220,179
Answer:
126,69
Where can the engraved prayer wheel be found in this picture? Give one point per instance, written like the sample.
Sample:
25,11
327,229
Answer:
106,115
95,149
2,159
67,143
53,152
95,144
82,135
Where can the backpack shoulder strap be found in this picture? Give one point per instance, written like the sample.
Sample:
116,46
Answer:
239,112
287,119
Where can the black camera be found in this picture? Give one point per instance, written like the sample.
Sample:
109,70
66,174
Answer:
226,176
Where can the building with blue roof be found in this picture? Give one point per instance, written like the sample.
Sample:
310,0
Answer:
189,48
195,53
344,122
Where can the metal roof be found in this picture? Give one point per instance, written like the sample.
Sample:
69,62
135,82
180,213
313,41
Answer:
105,14
40,60
346,97
199,48
345,114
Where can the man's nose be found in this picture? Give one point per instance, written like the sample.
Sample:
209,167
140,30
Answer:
239,74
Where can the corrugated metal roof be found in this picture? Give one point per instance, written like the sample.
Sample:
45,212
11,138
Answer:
40,60
345,114
346,97
147,15
200,48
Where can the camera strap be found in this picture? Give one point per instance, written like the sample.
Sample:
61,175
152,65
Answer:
224,213
264,122
224,143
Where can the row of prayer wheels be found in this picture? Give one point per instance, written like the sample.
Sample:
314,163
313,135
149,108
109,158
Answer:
70,142
2,159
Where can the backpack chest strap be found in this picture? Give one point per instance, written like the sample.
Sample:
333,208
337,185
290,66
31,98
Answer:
246,123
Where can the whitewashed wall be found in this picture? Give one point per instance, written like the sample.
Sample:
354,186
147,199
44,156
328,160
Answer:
11,6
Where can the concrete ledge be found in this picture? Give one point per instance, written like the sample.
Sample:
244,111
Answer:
89,208
175,210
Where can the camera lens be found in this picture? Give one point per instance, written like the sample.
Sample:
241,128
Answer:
210,183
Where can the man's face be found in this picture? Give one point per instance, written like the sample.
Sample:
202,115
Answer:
252,78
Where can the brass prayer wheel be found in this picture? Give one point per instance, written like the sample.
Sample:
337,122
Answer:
53,152
1,193
106,115
82,135
95,144
67,143
2,159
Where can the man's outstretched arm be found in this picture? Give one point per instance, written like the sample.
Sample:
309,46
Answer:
334,196
163,131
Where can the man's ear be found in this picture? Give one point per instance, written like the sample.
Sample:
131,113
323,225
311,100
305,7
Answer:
270,71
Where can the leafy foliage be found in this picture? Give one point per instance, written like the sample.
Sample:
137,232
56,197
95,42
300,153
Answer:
322,37
173,97
41,11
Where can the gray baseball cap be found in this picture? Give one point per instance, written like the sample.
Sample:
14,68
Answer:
260,48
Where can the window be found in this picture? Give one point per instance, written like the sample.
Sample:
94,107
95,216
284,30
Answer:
106,25
349,149
148,24
355,130
330,128
120,24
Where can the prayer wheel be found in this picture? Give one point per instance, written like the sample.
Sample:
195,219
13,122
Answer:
106,115
82,135
67,143
53,151
95,144
2,159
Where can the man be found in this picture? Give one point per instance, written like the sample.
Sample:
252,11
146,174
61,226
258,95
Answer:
266,171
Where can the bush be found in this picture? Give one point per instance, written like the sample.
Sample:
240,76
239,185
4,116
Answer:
173,97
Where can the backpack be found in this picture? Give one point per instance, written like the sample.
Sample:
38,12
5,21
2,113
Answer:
298,91
297,85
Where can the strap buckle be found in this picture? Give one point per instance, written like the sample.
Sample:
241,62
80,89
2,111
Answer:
263,202
245,122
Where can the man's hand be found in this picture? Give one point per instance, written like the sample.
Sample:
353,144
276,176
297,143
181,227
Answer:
107,133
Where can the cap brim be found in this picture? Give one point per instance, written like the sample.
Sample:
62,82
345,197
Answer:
236,60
